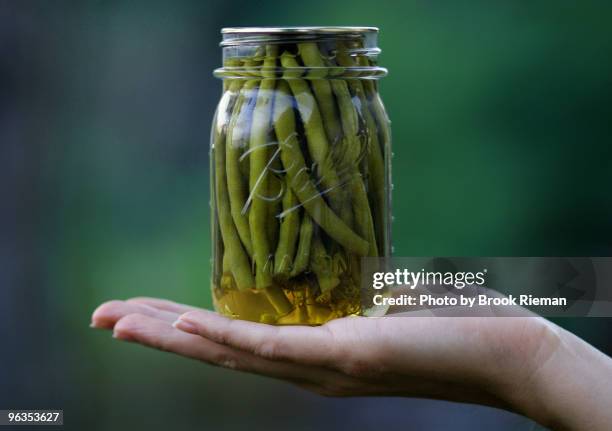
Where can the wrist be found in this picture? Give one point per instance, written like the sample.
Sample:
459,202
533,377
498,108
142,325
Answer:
563,385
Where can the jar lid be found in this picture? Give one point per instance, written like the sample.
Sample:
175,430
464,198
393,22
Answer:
298,30
253,35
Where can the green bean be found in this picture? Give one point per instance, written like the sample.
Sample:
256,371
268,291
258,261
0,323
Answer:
278,299
349,156
364,224
384,135
311,57
346,151
299,178
275,188
351,149
289,229
375,161
233,247
259,182
321,264
350,124
230,62
316,137
377,107
215,232
376,168
384,125
237,139
275,184
252,64
384,130
227,265
302,255
322,89
232,88
269,63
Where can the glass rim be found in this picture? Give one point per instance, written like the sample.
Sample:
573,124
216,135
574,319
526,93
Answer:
338,72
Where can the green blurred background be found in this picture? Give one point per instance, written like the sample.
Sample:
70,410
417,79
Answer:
502,138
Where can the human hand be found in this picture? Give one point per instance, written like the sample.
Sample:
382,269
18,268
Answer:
512,362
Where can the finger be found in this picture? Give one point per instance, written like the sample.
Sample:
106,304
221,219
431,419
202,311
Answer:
299,344
163,304
162,335
107,314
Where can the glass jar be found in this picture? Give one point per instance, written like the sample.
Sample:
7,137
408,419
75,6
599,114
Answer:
300,173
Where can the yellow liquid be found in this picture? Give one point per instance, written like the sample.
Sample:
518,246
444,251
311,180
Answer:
305,308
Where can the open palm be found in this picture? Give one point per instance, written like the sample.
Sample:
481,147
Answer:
481,360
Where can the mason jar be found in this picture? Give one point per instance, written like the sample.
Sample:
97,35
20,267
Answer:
300,173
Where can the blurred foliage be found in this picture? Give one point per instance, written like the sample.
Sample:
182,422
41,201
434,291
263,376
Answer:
501,123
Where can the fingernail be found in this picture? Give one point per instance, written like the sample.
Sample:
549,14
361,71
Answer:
122,337
186,326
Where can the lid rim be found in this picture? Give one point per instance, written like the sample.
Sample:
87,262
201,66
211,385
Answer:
298,30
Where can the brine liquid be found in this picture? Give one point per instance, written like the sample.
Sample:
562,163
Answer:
307,308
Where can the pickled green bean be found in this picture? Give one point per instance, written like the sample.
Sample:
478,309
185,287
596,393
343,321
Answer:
259,158
311,57
364,223
230,62
289,230
233,247
316,137
375,161
299,178
275,190
237,139
321,264
302,255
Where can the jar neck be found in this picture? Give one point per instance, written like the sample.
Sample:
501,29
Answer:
300,53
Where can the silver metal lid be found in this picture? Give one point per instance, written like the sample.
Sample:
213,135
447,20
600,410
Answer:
298,30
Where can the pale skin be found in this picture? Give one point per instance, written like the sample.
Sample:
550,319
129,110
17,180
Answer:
523,364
